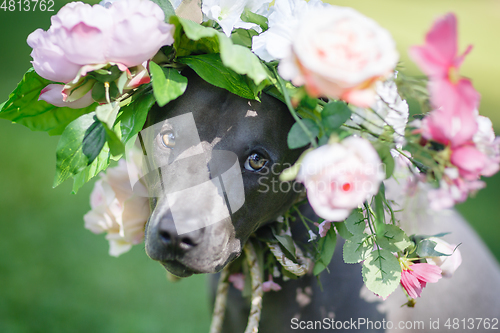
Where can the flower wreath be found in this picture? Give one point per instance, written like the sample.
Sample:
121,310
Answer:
99,69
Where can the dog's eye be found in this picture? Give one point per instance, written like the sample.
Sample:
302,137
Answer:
255,162
168,139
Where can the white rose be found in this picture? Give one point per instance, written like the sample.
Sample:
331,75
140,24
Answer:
341,176
339,53
448,264
117,210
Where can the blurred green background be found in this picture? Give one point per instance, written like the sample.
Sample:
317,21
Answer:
55,276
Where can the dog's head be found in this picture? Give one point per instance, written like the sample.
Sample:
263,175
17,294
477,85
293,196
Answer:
256,132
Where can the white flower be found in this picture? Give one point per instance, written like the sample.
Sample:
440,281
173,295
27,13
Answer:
284,16
488,144
448,264
225,12
339,53
389,109
341,176
117,210
312,236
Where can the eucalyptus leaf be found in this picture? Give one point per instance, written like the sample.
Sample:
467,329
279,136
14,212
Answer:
381,272
70,158
335,114
357,248
23,107
326,250
211,69
392,238
167,83
297,138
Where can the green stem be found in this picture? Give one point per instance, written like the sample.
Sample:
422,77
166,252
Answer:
292,110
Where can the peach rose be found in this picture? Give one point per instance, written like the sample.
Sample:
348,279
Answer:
117,210
339,53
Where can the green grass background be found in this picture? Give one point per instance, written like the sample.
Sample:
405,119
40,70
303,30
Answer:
55,276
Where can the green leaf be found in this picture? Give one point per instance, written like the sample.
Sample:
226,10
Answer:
23,107
384,152
356,223
116,146
297,138
392,238
70,158
326,250
99,164
249,16
381,272
167,8
425,248
287,242
211,69
107,113
342,230
335,114
93,141
191,37
243,37
134,116
167,83
357,248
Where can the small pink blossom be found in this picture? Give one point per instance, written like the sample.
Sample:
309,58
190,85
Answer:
341,176
270,285
324,227
414,277
339,53
453,96
238,280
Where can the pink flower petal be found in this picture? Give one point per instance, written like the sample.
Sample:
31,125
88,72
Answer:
53,94
426,272
411,284
469,161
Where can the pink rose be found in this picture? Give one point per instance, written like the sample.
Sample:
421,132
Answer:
448,264
341,176
339,53
117,210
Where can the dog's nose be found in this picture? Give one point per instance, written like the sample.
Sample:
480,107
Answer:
170,238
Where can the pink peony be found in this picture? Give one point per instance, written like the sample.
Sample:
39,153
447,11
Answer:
339,53
454,96
127,34
414,277
341,176
115,209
